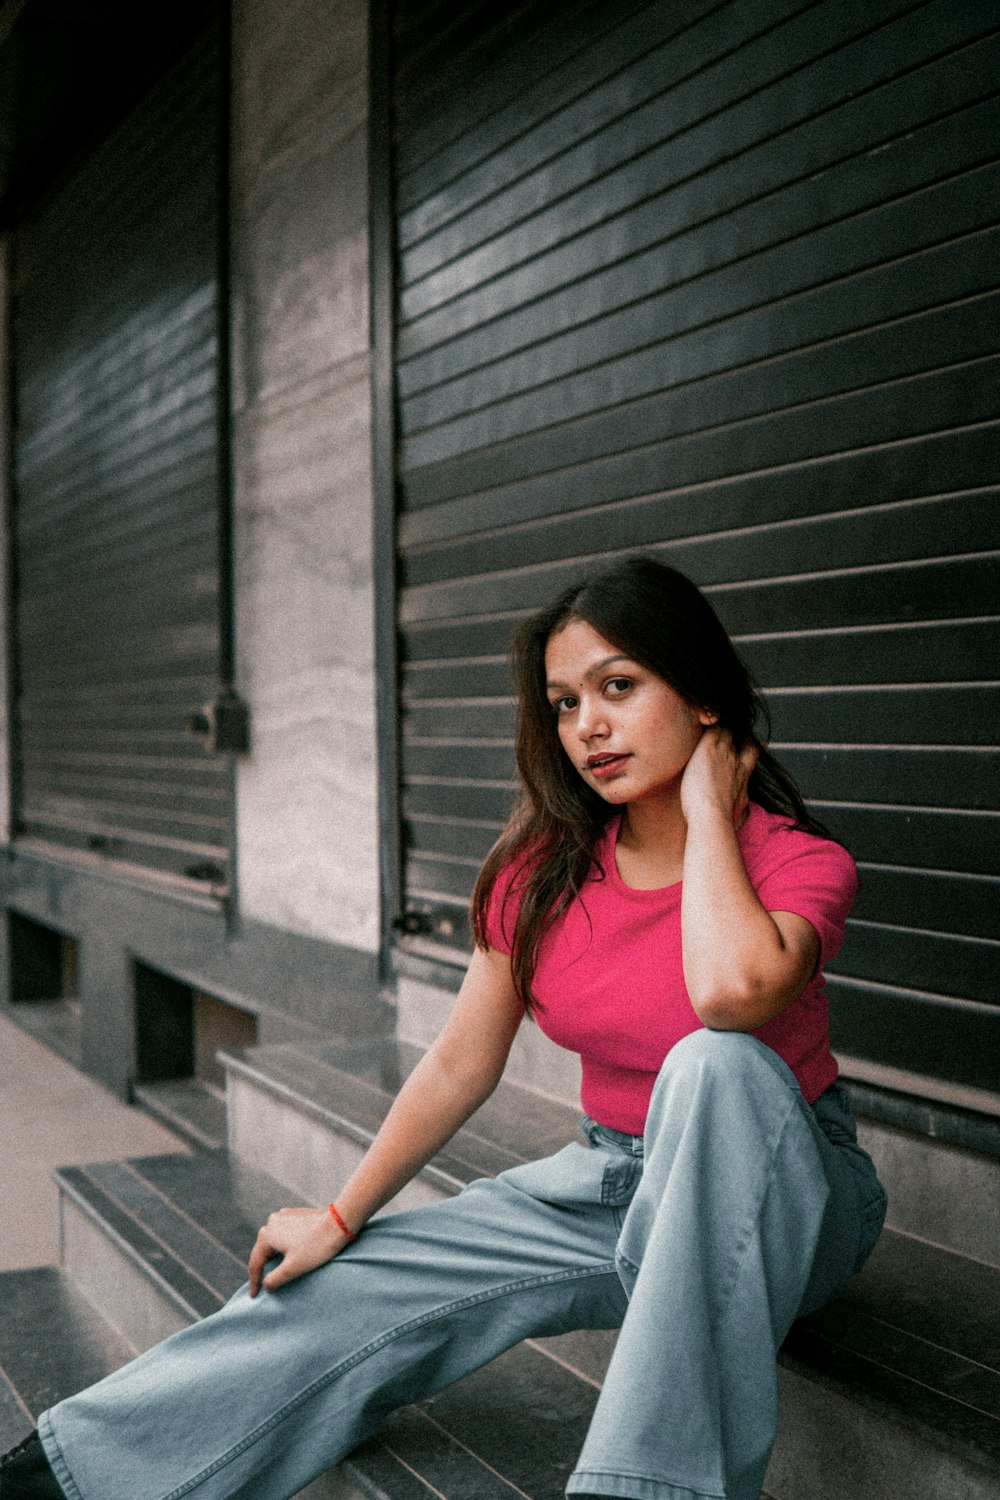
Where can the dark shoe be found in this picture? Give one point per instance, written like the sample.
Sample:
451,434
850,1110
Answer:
25,1473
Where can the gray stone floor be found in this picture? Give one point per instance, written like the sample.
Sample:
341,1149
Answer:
54,1116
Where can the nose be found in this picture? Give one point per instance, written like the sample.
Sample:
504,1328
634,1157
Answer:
591,720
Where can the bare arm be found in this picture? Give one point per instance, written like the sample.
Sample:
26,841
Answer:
742,965
452,1079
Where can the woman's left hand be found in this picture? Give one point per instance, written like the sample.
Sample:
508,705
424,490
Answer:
717,775
304,1238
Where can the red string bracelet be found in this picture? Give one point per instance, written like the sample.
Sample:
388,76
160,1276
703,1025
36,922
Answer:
339,1222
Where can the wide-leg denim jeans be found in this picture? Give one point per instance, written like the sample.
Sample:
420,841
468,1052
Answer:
740,1208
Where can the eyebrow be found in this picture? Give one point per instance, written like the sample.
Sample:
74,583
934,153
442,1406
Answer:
592,672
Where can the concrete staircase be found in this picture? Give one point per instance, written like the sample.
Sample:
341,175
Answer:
894,1392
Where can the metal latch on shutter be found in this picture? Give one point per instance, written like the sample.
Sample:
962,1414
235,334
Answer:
223,726
413,923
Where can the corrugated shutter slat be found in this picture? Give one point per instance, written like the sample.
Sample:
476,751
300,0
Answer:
723,287
116,523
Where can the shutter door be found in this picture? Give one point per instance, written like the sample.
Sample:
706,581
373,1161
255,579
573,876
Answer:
720,283
116,526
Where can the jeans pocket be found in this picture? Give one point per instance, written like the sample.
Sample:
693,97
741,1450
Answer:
622,1174
574,1176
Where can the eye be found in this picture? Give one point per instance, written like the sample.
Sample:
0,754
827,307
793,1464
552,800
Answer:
564,704
616,686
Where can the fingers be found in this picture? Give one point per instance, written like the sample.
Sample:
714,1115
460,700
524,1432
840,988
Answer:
281,1275
296,1261
718,775
746,761
304,1238
268,1244
748,758
259,1256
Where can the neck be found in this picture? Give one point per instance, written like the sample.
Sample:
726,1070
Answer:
651,842
655,828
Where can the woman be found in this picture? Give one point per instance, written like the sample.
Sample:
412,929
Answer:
662,903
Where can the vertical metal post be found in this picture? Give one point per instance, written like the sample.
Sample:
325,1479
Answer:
224,441
224,356
383,428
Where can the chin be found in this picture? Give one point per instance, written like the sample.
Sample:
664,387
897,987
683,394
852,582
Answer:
613,794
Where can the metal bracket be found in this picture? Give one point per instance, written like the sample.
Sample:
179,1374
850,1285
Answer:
223,726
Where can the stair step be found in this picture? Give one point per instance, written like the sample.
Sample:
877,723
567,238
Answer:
306,1113
894,1340
15,1418
159,1241
194,1110
187,1222
53,1343
910,1346
519,1422
915,1342
904,1371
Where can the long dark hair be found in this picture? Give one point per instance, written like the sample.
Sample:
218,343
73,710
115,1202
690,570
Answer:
659,618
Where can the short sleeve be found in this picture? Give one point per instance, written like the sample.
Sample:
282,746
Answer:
816,879
504,905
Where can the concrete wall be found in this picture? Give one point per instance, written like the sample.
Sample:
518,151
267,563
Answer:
306,795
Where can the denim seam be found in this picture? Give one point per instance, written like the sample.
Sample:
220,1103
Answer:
373,1347
663,1484
741,1250
622,1259
57,1462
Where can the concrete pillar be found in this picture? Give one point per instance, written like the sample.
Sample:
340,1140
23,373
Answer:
307,793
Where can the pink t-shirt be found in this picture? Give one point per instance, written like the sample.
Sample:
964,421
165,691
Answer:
610,981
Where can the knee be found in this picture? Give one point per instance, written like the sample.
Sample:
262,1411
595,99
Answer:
710,1051
730,1057
726,1077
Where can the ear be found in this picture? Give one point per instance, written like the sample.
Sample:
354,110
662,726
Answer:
706,716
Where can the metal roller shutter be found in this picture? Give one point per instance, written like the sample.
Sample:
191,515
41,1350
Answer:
720,282
117,482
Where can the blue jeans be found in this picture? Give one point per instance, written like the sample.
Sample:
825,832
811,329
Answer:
740,1208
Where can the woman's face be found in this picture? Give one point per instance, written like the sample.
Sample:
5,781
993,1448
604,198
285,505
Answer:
626,731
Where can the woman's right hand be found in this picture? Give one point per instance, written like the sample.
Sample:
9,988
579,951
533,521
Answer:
454,1076
718,775
304,1238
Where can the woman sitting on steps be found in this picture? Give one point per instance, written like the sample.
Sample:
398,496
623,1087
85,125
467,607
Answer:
662,903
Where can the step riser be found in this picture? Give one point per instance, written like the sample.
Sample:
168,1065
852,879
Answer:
121,1291
336,1485
830,1448
938,1192
312,1160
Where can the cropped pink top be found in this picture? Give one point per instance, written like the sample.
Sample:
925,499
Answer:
610,979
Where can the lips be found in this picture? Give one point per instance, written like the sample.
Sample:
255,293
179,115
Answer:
605,763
